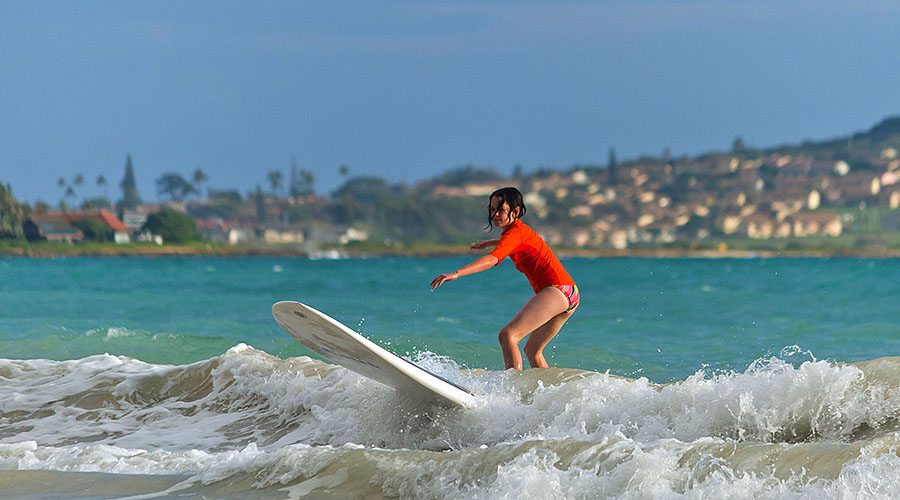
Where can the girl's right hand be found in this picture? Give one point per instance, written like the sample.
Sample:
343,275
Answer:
481,245
440,280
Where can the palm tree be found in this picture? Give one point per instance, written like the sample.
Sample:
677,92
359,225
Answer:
275,179
199,178
77,182
70,193
308,180
63,185
101,183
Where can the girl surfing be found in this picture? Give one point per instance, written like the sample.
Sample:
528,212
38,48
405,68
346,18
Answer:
556,295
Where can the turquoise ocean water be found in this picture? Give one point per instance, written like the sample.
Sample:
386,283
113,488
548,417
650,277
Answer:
678,378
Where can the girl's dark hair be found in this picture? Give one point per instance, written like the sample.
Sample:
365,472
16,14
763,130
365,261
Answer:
512,197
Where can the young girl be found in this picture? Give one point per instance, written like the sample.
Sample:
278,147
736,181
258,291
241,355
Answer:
556,295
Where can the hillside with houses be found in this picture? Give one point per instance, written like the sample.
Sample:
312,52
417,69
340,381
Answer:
845,189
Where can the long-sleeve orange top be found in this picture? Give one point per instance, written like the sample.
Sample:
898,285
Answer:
532,256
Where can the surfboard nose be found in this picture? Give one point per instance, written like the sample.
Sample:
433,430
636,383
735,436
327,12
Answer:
337,343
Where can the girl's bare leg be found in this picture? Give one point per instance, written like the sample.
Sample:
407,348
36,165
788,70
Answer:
545,306
534,348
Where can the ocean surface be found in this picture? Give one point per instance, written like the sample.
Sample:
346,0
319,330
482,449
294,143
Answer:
676,378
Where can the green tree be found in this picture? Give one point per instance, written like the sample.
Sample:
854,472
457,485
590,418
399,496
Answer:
517,172
11,214
260,205
302,183
175,186
225,195
613,167
366,189
101,184
307,182
61,182
94,229
466,174
224,204
275,181
95,203
173,226
70,193
200,178
130,197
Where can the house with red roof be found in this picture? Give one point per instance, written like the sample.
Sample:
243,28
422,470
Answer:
58,226
50,226
121,233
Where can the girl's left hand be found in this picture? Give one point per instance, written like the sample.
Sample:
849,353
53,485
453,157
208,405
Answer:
443,278
481,245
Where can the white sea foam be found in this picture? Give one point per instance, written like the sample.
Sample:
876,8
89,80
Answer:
110,332
774,431
613,468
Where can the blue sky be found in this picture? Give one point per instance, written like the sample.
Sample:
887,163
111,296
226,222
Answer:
407,90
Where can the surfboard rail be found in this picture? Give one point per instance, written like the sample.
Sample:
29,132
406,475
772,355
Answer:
339,344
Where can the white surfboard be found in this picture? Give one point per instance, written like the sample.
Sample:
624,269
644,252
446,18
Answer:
335,342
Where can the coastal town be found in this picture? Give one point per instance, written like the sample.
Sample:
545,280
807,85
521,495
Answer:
811,192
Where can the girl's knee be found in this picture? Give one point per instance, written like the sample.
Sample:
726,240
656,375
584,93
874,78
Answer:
508,336
505,336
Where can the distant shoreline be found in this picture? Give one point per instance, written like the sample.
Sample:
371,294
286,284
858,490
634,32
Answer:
203,249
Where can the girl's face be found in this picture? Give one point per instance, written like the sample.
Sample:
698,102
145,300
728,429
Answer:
500,213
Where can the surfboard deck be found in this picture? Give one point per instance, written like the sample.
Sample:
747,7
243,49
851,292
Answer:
336,342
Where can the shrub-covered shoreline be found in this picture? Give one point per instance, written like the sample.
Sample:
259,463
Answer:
887,246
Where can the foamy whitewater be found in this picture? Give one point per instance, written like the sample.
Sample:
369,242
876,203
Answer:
245,423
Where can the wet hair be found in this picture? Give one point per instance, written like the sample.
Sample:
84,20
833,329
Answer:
513,198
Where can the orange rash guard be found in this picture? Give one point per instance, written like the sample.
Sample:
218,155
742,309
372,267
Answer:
532,256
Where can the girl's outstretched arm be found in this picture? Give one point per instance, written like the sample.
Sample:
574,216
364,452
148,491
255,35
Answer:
481,245
476,266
